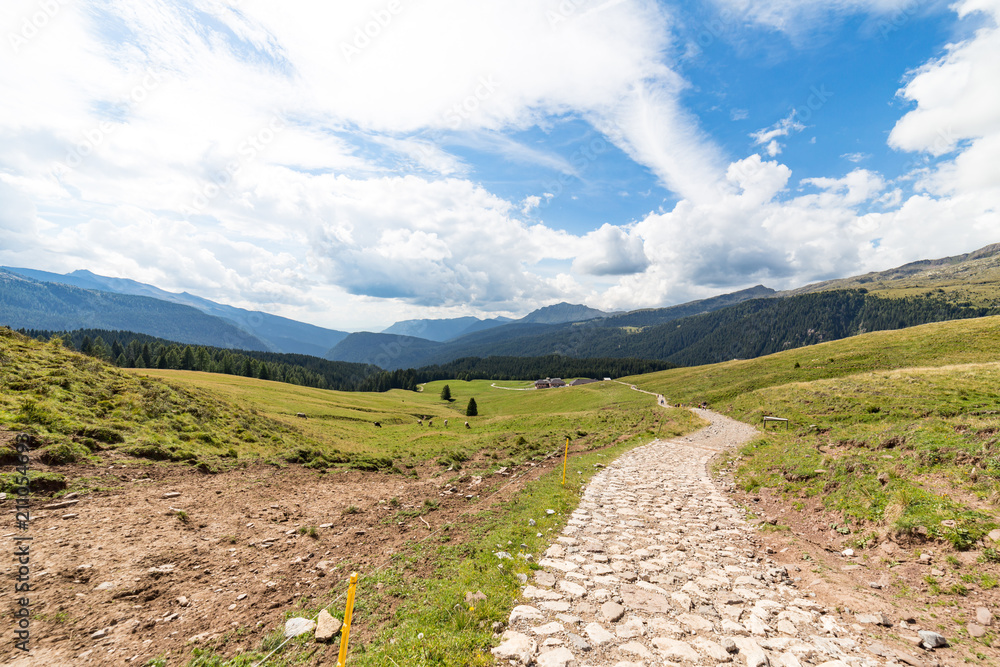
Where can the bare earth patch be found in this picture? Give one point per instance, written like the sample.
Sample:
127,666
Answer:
161,559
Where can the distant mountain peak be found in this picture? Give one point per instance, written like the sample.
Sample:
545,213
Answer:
561,313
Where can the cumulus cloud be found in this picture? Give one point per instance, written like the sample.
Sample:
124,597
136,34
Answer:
611,251
261,159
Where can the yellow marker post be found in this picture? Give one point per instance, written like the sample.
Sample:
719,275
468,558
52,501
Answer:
345,633
565,457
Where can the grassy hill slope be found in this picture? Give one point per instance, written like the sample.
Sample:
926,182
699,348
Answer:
971,277
77,406
896,432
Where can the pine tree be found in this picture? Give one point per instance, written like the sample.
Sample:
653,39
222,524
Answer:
446,393
472,410
187,361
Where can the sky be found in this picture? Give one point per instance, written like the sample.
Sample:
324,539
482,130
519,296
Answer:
352,164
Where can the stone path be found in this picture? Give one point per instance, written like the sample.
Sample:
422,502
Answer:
657,567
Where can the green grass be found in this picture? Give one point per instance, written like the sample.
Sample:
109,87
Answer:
886,428
930,345
432,625
78,406
512,426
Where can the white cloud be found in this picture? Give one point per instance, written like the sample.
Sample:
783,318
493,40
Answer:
768,137
611,251
793,16
264,164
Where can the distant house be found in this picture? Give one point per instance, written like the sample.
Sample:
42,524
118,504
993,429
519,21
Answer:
581,381
548,383
556,382
542,384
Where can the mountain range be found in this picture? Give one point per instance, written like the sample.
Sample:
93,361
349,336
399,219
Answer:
74,301
741,324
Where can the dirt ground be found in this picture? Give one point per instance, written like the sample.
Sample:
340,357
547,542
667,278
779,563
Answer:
162,558
886,578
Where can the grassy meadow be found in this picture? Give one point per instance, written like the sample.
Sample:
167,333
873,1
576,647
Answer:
896,432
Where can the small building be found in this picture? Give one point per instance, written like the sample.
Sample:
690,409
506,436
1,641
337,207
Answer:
556,382
542,384
581,381
548,383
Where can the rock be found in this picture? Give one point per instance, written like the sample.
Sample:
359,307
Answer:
630,629
472,598
975,630
577,642
298,626
171,494
543,578
549,629
983,616
932,639
642,600
908,659
327,626
847,552
100,634
994,535
673,649
524,612
683,601
557,657
571,589
522,578
183,601
888,548
515,646
105,586
597,634
714,651
873,619
752,652
612,611
728,644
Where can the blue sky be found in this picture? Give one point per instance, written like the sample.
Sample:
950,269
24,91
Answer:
355,164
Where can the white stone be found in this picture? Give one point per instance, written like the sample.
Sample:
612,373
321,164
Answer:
524,612
515,646
557,657
298,626
574,590
673,649
597,634
548,629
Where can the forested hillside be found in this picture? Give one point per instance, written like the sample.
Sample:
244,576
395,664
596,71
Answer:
747,330
127,349
30,304
513,368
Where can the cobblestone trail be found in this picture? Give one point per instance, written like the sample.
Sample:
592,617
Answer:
657,567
